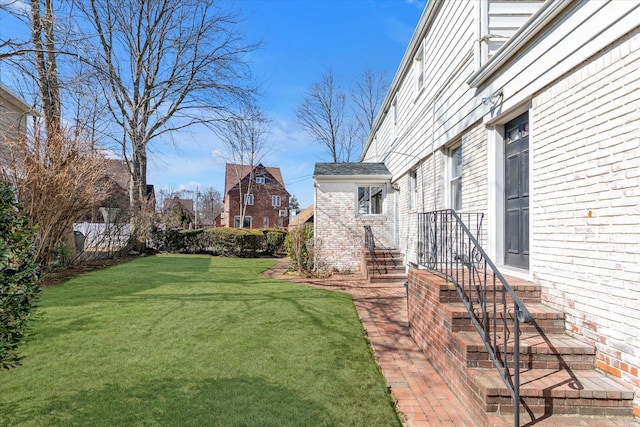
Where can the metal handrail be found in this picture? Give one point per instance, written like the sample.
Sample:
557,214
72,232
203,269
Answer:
448,246
370,244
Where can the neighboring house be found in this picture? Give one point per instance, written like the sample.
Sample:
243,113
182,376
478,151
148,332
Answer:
527,113
259,192
302,218
13,122
182,209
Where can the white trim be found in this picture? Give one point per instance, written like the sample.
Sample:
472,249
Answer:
547,12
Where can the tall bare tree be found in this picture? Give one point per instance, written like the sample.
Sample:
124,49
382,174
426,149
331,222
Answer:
342,124
167,65
321,114
367,94
245,138
210,205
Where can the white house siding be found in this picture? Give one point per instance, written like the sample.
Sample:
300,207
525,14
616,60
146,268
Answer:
575,69
504,18
586,175
339,230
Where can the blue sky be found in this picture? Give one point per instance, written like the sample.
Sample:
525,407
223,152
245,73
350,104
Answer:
301,39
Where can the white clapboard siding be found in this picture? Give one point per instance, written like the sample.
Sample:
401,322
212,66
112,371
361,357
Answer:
505,18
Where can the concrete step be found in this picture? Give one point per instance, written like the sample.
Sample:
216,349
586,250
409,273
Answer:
553,351
546,392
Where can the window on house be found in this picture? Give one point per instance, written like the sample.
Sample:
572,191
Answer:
413,188
455,177
275,200
246,223
260,180
419,67
248,199
369,200
265,222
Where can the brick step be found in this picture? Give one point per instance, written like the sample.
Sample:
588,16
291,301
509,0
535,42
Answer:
563,421
545,320
546,392
385,263
553,351
384,260
383,278
526,291
389,267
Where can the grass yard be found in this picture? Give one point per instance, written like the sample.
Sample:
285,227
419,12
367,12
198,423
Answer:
194,341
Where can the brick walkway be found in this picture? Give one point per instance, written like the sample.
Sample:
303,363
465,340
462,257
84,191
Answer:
421,395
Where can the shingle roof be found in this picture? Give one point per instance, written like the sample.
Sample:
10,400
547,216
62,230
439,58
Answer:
347,169
233,171
302,217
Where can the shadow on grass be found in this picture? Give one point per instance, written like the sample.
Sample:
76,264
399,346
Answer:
242,401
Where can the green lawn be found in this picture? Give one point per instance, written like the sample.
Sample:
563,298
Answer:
194,340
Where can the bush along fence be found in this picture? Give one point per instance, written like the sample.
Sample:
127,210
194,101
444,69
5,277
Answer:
237,242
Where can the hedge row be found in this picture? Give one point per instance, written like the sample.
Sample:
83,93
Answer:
237,242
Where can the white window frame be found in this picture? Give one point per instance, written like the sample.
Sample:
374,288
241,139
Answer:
369,204
248,199
420,69
236,221
260,180
454,178
265,222
275,200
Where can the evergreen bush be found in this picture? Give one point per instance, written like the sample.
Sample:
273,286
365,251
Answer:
19,276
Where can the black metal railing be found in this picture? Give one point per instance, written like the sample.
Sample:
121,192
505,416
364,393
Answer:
370,245
448,243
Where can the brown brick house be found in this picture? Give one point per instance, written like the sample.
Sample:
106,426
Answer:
255,197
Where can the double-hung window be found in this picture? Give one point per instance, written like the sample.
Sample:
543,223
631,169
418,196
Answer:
455,177
275,200
248,199
246,223
370,200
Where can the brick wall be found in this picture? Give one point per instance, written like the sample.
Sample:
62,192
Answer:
586,203
339,231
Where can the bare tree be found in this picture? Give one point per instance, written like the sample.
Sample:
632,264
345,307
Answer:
210,205
342,124
322,112
167,65
56,186
245,138
368,92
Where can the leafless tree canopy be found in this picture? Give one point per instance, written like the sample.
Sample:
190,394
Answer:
166,65
367,95
342,126
322,112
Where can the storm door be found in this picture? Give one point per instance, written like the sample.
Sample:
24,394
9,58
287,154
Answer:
516,188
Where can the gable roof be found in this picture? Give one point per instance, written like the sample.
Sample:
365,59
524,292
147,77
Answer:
303,217
351,169
233,171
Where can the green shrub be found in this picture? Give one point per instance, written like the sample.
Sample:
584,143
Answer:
19,275
275,240
239,242
299,243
